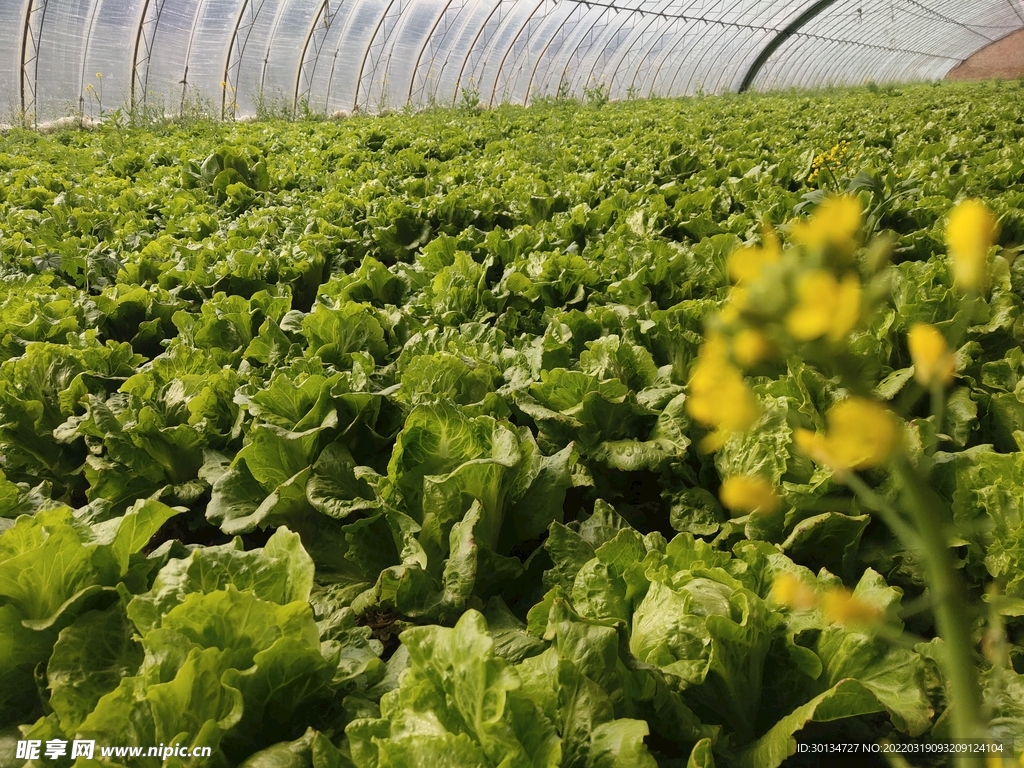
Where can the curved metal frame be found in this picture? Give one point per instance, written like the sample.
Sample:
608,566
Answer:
426,43
233,60
709,50
521,61
665,48
647,44
788,31
495,9
511,45
381,23
270,44
640,39
85,55
593,37
323,13
634,32
227,57
718,86
146,42
606,30
751,27
472,46
30,37
713,51
188,54
566,37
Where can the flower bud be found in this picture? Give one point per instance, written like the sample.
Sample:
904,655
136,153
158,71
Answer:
933,361
970,232
745,493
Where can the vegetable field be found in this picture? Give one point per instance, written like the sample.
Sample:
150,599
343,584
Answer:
654,434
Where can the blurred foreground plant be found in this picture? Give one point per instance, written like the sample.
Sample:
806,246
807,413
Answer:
804,304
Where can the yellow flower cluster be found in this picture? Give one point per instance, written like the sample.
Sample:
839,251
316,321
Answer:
827,159
750,346
835,223
861,434
745,493
970,232
825,306
837,604
746,262
719,398
788,590
933,361
843,607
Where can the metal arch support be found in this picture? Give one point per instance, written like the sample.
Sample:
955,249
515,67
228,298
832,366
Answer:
235,51
381,23
145,36
547,45
305,48
646,47
517,68
601,56
658,57
511,45
472,46
787,32
802,61
608,29
694,65
782,68
31,35
426,43
717,55
270,45
85,55
188,54
630,45
712,55
227,58
325,15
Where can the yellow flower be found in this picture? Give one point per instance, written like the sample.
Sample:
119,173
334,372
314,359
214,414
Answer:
788,590
835,223
99,75
746,262
843,607
970,232
825,306
750,347
745,493
813,444
861,433
735,303
719,398
933,361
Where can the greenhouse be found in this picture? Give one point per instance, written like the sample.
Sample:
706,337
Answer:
511,384
367,55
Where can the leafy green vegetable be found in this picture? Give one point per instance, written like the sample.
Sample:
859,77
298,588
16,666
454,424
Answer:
430,372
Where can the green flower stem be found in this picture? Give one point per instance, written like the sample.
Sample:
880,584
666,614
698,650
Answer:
892,517
952,613
938,393
962,320
927,537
